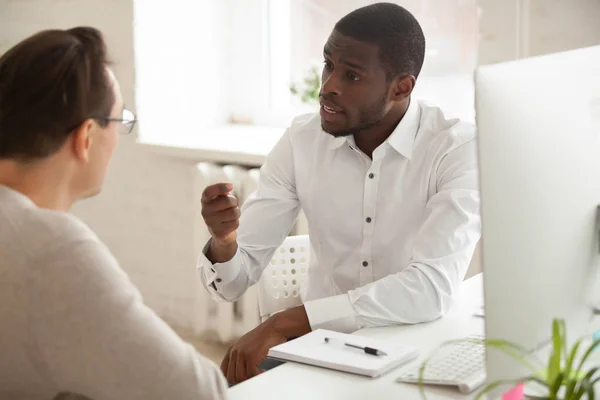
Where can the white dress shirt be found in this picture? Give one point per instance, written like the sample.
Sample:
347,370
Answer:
391,238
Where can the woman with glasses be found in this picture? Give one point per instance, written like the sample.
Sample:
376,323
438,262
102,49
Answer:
71,321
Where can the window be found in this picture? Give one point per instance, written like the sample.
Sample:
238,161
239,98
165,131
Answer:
299,29
201,64
181,67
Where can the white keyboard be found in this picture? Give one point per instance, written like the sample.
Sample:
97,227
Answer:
459,364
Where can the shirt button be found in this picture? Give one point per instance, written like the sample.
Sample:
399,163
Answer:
365,264
219,280
368,220
371,175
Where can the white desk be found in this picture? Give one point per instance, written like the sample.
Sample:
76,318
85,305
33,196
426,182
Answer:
295,381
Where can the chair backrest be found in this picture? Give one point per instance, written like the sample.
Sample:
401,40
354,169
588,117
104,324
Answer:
284,279
281,284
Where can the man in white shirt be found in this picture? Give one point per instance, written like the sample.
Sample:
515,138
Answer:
389,187
72,321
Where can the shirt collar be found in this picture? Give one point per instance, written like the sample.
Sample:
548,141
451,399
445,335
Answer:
13,194
402,138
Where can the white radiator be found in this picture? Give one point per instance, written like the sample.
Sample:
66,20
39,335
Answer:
228,320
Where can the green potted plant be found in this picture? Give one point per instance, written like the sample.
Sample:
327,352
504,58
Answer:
308,90
564,377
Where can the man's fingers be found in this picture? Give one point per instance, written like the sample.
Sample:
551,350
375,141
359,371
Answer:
230,374
252,368
240,369
221,203
225,362
226,228
224,216
212,191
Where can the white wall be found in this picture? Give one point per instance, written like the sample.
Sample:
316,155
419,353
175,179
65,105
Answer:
145,213
558,25
510,29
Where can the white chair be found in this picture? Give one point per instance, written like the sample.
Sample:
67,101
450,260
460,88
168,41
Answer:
281,284
284,279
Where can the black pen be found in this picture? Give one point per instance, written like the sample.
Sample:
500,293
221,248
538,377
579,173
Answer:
368,350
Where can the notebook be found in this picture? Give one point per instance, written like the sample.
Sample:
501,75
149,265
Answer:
312,349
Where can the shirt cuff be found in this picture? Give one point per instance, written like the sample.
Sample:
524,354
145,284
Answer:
219,273
333,313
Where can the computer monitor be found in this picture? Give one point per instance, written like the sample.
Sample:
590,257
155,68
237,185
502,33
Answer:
539,154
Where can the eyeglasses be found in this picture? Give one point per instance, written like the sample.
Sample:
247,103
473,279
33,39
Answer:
127,121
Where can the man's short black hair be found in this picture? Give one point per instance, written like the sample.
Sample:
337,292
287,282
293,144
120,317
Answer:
394,29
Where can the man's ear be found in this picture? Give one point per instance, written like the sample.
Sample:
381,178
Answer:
402,87
82,140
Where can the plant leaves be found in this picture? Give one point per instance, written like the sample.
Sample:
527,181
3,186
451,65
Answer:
515,351
571,358
554,359
579,389
308,90
593,385
571,387
563,331
595,381
554,387
568,371
589,351
575,382
589,375
585,388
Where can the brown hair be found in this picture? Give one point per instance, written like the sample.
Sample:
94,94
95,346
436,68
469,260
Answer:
50,83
